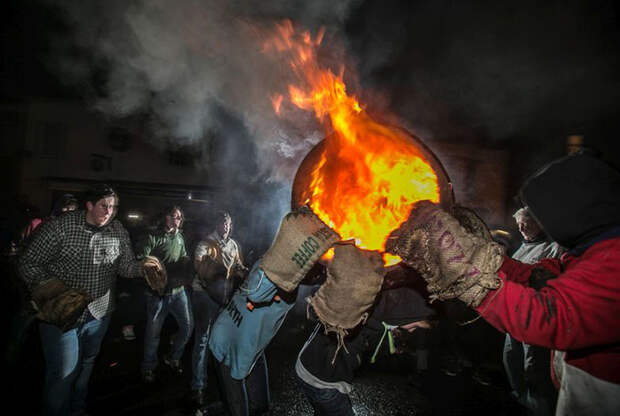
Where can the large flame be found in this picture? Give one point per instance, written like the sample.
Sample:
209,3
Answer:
369,174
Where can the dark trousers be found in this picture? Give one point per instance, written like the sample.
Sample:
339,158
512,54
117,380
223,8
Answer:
326,402
249,396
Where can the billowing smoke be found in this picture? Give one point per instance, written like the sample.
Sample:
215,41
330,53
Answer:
180,60
195,69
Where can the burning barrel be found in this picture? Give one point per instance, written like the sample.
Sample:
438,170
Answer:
363,179
364,188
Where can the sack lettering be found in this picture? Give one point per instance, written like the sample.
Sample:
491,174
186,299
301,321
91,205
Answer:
446,240
305,251
323,234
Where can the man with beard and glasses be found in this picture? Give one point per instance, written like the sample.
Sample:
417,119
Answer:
70,268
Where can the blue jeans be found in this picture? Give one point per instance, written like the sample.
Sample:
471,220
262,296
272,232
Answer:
157,309
326,402
69,361
205,312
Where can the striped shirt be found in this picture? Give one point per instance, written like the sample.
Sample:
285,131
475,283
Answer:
82,256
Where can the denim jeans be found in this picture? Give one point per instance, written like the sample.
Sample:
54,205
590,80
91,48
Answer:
157,309
205,312
69,361
326,402
527,368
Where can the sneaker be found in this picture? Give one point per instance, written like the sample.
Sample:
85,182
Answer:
128,333
148,376
175,365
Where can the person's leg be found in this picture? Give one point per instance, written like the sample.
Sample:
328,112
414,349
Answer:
200,352
257,387
513,358
181,309
235,392
326,402
156,311
61,352
541,394
130,308
90,335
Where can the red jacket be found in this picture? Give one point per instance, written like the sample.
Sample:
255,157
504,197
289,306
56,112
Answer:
577,312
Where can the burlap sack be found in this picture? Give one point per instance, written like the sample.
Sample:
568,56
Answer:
452,260
211,266
471,222
58,304
155,274
301,240
354,277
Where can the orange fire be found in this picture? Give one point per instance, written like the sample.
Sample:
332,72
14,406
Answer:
369,174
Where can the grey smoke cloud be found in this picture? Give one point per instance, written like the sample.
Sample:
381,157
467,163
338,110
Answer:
177,60
197,70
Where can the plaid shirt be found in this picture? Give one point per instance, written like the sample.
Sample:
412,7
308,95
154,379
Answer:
82,256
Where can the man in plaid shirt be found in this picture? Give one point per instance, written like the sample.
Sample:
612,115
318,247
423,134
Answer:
85,250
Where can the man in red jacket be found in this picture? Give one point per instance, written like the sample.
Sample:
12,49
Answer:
576,199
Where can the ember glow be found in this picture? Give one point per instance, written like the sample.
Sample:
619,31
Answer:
369,174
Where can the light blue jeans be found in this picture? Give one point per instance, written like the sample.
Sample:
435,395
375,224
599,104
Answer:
157,309
205,312
69,361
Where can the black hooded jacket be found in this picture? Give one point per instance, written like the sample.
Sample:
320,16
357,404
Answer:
575,199
321,356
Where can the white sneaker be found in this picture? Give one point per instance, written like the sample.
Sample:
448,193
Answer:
128,333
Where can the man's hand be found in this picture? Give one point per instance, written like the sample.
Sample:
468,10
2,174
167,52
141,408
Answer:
155,274
454,261
240,271
58,304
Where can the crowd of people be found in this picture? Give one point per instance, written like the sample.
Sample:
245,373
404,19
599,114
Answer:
557,298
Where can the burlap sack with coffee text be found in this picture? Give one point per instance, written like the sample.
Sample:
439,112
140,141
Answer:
301,240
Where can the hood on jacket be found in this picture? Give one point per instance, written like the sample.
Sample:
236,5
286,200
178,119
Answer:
574,198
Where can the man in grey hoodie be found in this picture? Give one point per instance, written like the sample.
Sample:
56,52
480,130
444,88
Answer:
527,366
